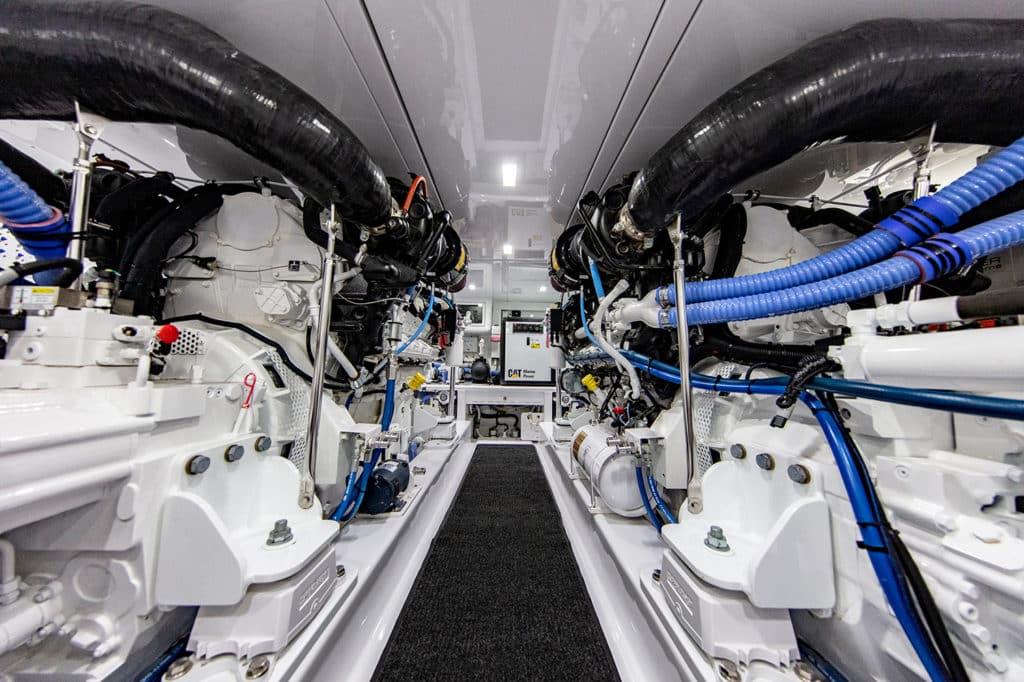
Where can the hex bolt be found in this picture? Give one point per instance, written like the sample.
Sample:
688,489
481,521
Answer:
197,465
341,571
235,452
263,443
179,668
765,461
280,533
656,575
129,331
716,539
798,473
737,451
258,667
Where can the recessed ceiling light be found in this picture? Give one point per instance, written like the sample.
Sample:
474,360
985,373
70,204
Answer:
472,287
542,289
509,174
508,249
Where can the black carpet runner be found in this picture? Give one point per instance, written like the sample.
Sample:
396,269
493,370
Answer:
499,596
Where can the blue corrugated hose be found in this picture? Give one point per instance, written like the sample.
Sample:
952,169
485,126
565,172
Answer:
937,256
925,217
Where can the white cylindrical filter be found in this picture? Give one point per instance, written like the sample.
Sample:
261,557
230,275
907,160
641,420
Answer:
613,475
965,360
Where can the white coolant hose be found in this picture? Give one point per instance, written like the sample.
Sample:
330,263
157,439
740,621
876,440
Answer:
606,346
314,317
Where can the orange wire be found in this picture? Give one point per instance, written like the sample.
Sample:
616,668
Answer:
419,180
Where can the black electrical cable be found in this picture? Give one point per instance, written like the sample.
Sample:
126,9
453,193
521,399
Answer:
200,317
910,573
811,366
71,267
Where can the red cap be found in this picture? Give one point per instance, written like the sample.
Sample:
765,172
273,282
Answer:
167,334
619,410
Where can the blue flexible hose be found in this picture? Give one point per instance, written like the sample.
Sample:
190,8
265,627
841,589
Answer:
946,401
423,325
356,490
937,256
595,279
18,203
651,516
879,551
925,217
658,501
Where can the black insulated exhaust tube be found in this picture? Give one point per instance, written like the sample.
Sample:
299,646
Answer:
881,80
133,62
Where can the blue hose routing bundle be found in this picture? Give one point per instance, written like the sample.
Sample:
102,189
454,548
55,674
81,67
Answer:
932,258
910,225
355,489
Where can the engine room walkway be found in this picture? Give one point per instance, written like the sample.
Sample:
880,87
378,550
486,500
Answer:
500,596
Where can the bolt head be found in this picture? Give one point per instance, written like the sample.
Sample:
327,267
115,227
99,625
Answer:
715,539
235,452
656,575
197,465
263,443
737,451
765,461
258,667
179,668
798,473
341,571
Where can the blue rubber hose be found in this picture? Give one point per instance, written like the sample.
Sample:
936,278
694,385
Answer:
879,552
355,489
658,501
946,401
651,516
936,256
910,225
423,325
595,279
586,324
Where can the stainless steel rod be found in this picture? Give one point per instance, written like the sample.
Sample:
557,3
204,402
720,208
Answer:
316,387
684,398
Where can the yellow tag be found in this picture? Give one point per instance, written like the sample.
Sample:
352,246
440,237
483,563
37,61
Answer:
590,382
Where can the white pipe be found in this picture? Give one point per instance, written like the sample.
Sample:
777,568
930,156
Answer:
314,317
8,579
967,360
595,326
645,310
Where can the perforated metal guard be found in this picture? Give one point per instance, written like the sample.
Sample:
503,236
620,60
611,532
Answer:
190,342
703,410
298,391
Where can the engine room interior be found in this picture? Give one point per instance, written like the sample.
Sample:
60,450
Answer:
542,340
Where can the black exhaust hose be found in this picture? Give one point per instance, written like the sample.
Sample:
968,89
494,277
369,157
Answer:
141,279
133,62
881,80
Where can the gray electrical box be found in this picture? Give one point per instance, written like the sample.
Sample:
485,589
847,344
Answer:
525,353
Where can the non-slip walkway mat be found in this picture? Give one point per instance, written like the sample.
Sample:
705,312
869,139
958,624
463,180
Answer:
499,596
